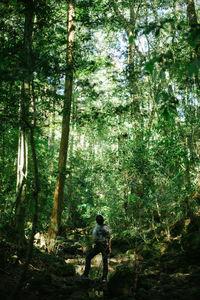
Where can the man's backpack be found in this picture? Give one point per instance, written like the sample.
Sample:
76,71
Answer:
102,235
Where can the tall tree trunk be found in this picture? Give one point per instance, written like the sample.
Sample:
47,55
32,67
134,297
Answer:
22,165
55,221
70,180
194,25
21,281
194,29
129,27
133,12
191,13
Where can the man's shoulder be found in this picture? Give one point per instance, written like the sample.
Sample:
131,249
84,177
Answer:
106,227
101,229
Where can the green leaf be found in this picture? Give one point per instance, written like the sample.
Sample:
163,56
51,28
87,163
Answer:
131,39
149,66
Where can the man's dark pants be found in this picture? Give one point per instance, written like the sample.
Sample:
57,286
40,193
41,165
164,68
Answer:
93,252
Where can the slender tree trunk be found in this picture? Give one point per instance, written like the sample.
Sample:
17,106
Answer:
131,60
187,147
129,28
193,22
194,29
191,12
52,117
22,165
16,291
70,185
55,221
70,181
51,140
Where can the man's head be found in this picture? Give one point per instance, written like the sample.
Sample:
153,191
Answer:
99,219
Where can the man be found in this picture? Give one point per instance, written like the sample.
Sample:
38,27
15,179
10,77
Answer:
101,235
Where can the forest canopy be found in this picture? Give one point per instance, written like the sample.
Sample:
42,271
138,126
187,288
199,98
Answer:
99,114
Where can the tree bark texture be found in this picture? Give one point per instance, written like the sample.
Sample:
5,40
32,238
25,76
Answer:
22,165
55,221
194,25
21,281
191,12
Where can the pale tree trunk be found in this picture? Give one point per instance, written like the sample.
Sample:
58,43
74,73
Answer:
70,180
135,113
129,27
133,11
55,221
51,124
187,147
70,185
134,8
51,140
22,165
154,87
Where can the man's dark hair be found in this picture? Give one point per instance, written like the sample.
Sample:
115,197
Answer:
100,219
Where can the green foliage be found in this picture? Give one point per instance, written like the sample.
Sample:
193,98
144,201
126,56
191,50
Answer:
133,152
134,133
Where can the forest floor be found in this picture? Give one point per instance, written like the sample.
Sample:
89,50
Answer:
145,275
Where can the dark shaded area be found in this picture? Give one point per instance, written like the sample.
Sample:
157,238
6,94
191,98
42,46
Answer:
162,270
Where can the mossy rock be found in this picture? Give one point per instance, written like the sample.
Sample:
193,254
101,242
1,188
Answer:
121,282
40,278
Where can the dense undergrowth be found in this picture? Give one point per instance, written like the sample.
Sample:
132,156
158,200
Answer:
158,269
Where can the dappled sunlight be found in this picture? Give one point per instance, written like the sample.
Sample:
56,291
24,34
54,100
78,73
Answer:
100,150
